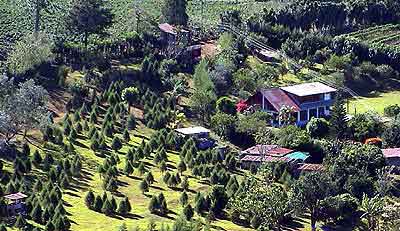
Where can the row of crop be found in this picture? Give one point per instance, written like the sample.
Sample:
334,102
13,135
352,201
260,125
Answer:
388,40
377,53
377,33
370,30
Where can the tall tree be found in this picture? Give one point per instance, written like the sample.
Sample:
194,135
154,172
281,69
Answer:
88,17
309,191
174,12
338,118
204,91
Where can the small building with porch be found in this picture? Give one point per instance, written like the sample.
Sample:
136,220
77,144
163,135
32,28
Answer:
15,204
200,135
306,101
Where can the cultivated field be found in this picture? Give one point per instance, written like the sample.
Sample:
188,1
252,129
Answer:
388,34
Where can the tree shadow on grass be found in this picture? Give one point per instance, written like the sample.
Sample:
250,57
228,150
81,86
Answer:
217,227
72,194
157,187
293,224
133,216
134,177
80,144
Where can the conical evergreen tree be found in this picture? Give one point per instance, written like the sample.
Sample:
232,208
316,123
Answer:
128,170
98,203
153,205
89,199
21,222
126,135
144,186
36,213
184,198
338,119
149,178
107,208
188,212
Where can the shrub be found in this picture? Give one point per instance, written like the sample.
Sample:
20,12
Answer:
317,127
392,110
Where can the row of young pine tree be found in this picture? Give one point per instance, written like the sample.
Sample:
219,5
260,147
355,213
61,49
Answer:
107,205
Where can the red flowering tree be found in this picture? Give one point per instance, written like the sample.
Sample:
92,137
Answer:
241,106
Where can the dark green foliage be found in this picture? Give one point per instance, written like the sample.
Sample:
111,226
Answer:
153,205
107,208
188,212
128,170
36,213
184,198
392,110
181,166
113,204
116,143
131,123
174,12
37,158
317,127
124,207
93,9
90,200
141,168
219,198
391,135
3,227
126,135
366,125
21,222
98,203
50,226
185,183
149,178
144,186
338,118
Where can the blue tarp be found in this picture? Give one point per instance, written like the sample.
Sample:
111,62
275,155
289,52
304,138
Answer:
298,156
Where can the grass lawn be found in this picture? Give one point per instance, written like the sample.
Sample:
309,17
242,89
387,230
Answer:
375,102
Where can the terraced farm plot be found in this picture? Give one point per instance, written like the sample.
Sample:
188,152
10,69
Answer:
388,34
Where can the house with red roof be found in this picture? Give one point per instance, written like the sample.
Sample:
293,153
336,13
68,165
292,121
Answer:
307,100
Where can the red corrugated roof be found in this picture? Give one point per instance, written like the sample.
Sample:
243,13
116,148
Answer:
271,150
252,158
391,152
278,98
312,167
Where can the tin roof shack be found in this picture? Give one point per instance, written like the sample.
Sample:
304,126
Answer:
304,168
201,136
177,42
15,204
259,154
392,156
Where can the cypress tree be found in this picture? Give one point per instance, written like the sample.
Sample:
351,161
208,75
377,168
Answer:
113,204
116,144
163,166
144,186
185,183
46,215
188,212
131,123
89,199
122,208
98,203
184,198
21,222
153,205
107,208
166,177
26,151
50,226
128,170
59,223
181,166
141,168
126,136
338,119
37,158
36,213
128,204
149,178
